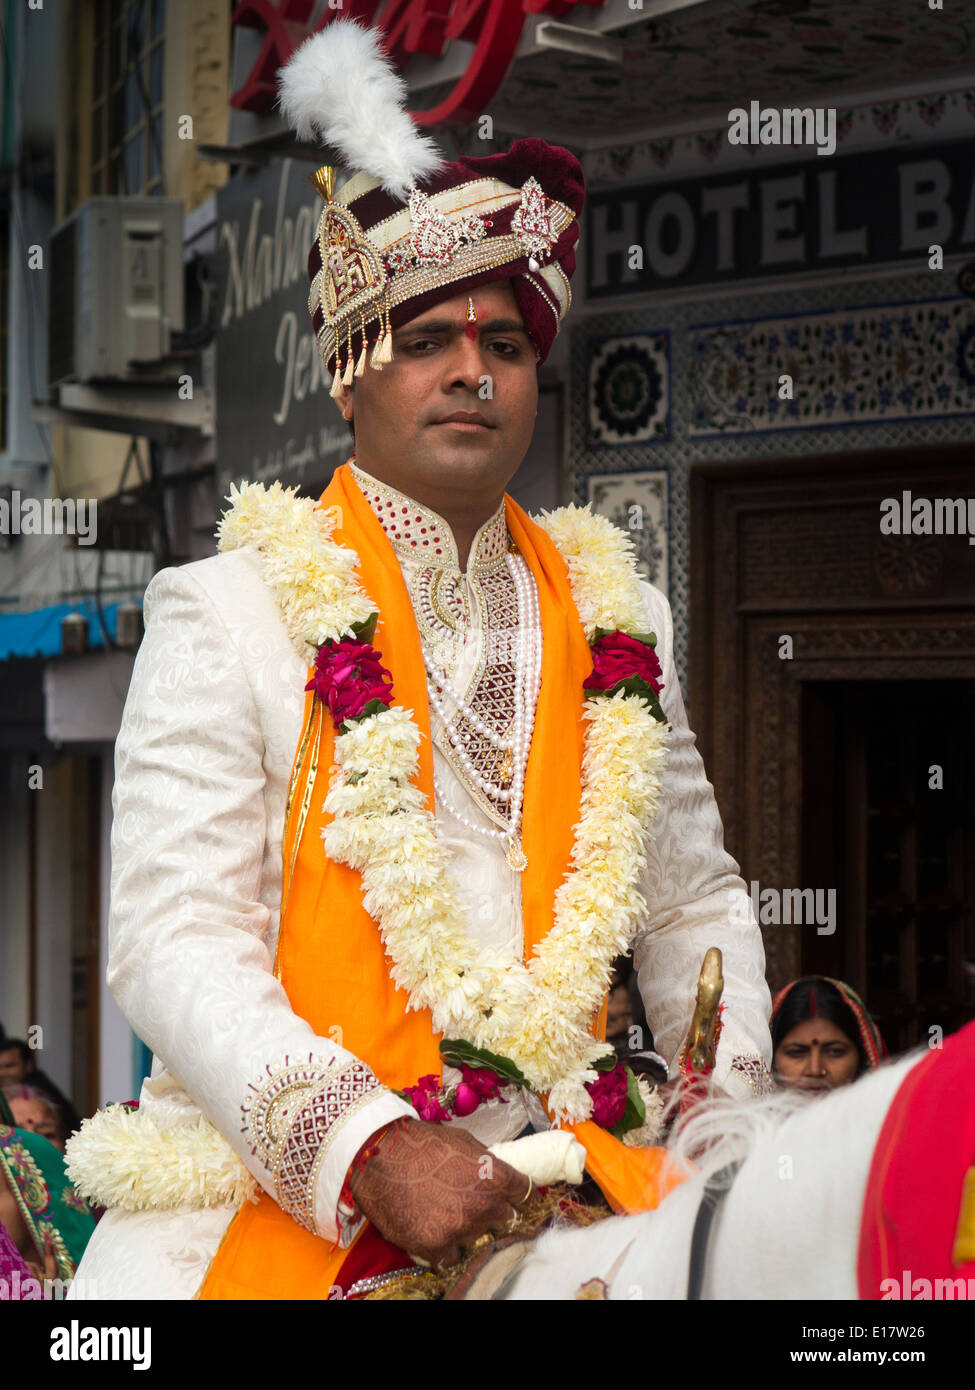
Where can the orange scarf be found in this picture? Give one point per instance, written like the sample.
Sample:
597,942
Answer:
339,978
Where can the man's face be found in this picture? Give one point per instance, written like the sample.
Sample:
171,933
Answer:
619,1014
11,1066
483,374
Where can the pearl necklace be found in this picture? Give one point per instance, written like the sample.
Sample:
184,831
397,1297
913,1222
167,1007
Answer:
458,739
527,683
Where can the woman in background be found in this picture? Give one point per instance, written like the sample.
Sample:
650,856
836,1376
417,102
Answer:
822,1035
32,1109
50,1225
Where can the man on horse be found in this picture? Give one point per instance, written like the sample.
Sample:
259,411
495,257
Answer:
401,773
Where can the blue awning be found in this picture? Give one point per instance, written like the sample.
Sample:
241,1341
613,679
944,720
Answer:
39,633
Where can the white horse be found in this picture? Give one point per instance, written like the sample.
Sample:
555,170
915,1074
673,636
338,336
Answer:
788,1227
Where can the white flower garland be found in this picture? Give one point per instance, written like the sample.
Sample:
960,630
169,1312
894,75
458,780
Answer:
539,1015
130,1160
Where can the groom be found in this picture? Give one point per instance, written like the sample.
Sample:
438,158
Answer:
245,956
423,430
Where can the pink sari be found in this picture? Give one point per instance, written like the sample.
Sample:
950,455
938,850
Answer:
14,1274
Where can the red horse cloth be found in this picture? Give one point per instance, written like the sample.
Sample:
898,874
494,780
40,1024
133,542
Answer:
914,1195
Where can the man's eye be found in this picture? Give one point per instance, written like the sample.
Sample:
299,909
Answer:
506,349
421,344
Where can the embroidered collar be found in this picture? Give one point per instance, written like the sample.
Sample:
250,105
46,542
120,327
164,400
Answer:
418,533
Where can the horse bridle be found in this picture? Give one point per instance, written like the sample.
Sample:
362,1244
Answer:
715,1190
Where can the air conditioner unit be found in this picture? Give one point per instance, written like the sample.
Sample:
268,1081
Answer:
116,291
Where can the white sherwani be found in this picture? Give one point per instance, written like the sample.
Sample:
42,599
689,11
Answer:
203,760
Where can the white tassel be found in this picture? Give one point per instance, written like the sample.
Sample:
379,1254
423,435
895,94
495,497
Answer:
384,350
336,385
347,374
340,85
360,366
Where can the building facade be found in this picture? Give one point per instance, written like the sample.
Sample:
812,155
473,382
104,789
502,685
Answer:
772,333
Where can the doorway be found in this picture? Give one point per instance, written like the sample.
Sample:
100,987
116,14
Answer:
887,820
832,670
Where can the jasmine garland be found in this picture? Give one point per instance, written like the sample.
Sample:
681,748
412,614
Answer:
538,1015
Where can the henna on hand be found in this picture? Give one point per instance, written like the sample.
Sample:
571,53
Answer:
433,1191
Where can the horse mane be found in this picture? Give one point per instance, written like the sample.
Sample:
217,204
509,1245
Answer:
723,1130
648,1252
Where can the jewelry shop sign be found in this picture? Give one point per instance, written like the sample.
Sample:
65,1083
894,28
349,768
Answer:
860,209
275,418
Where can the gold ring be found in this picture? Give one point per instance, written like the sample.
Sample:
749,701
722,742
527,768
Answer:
488,1238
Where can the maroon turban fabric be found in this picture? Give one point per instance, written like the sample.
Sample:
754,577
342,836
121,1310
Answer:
529,239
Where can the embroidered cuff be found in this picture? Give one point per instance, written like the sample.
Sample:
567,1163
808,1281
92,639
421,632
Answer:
377,1109
752,1070
294,1118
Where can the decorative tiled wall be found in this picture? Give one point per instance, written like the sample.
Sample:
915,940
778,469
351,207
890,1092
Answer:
882,364
879,362
637,503
629,389
859,125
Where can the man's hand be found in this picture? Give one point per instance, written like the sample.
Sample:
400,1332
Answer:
433,1191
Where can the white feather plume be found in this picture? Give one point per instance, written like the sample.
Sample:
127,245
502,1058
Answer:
341,86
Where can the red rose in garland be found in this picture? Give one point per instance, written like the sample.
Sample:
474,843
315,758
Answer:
425,1099
609,1096
483,1081
348,677
618,657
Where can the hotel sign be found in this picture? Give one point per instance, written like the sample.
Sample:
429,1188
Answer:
818,214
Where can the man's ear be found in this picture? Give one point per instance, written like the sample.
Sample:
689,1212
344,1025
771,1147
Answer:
344,400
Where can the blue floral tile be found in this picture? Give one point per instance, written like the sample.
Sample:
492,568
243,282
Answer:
878,362
638,503
629,390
